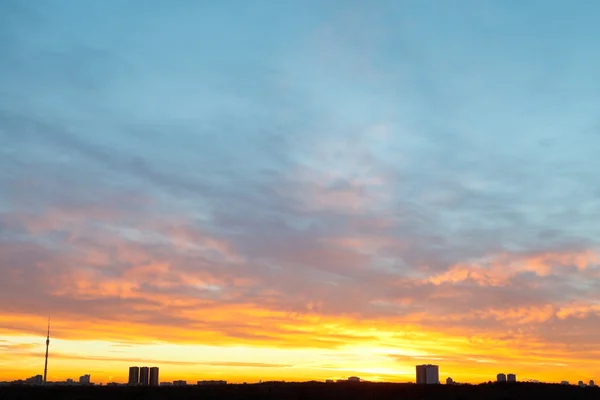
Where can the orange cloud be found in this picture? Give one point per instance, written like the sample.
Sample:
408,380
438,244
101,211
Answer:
499,270
171,283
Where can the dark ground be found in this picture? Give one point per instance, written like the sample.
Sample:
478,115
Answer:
308,391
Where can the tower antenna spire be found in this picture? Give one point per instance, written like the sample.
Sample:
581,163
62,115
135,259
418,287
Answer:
47,344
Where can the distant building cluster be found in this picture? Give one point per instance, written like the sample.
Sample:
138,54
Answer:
139,375
502,378
143,376
201,383
35,380
39,380
590,384
350,379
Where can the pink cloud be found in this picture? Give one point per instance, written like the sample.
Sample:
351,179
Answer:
499,270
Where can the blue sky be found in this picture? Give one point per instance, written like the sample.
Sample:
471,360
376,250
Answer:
333,153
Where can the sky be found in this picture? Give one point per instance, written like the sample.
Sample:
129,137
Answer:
298,190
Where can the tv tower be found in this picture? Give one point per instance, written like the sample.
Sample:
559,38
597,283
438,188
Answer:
47,344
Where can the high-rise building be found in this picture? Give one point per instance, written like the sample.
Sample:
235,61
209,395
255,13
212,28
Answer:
144,376
449,381
500,378
428,374
154,376
134,376
511,378
85,379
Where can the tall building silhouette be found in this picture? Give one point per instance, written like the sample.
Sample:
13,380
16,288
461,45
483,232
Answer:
154,376
144,376
134,376
428,374
47,345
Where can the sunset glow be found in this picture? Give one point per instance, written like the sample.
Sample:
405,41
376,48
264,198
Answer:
272,190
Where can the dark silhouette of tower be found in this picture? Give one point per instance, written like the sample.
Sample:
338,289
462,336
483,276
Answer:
144,376
134,376
47,344
153,376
